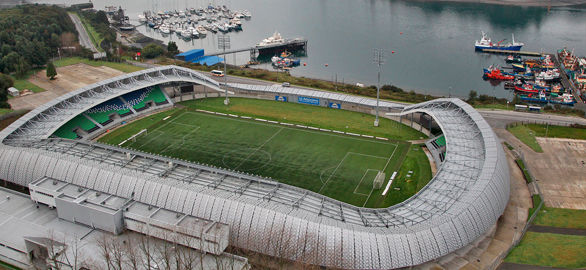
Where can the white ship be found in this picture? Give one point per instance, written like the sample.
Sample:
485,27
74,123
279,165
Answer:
275,39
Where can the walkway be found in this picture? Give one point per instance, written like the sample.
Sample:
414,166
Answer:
84,38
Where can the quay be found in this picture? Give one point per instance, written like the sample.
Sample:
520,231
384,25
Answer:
290,45
567,84
526,53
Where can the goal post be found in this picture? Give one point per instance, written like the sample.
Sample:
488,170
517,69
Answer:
378,180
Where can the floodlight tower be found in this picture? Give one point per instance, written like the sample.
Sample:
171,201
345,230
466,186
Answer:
379,60
223,44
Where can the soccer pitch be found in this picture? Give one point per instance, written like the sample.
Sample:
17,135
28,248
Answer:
339,166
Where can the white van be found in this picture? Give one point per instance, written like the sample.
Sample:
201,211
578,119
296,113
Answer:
217,73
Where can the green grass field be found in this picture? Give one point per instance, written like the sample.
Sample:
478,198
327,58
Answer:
558,131
547,249
527,136
309,115
562,218
339,166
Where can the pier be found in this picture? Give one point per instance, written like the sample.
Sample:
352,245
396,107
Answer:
290,45
526,53
567,84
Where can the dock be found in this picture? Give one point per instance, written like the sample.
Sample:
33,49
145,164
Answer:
526,53
290,45
567,84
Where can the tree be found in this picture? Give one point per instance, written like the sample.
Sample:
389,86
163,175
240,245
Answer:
51,71
5,83
152,51
472,96
172,47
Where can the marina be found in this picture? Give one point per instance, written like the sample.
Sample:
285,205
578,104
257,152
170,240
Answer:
346,46
193,23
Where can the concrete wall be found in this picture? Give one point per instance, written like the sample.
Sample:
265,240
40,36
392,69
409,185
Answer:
107,220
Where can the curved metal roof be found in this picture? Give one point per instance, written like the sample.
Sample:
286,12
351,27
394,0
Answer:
462,201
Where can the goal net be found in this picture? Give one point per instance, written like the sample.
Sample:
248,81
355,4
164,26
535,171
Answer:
378,180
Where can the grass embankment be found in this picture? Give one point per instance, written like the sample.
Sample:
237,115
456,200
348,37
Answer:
126,68
95,37
6,120
547,249
527,136
550,131
562,218
536,201
526,174
387,91
342,120
4,111
339,166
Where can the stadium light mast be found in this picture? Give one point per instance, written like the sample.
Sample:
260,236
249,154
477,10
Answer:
379,60
223,44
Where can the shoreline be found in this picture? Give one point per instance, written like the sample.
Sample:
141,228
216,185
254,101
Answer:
520,3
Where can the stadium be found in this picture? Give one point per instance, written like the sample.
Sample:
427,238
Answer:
63,153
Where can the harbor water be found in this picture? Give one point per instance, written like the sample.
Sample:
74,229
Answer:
433,43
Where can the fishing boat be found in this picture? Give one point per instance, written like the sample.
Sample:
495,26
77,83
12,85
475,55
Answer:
486,43
514,59
526,88
548,75
541,98
201,30
497,74
565,99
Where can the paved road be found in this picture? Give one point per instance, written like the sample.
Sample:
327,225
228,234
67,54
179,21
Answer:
499,119
84,38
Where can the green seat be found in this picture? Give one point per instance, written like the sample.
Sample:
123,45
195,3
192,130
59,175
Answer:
80,121
441,141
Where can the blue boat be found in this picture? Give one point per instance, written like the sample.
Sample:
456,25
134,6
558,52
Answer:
486,43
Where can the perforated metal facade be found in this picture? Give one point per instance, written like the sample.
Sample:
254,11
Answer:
462,201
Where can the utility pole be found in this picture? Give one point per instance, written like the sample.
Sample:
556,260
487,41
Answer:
224,43
379,60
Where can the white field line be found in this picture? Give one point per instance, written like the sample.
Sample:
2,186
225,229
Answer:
366,155
392,154
357,186
256,150
161,126
304,130
152,139
341,161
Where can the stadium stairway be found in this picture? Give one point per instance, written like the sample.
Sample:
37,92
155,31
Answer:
79,122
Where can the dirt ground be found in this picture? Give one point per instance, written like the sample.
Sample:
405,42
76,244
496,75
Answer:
69,78
561,172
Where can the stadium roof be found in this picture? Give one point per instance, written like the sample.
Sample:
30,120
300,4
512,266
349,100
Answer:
462,201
